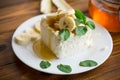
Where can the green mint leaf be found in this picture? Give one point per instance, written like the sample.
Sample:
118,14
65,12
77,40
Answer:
64,34
64,68
45,64
88,63
78,20
90,24
80,15
80,30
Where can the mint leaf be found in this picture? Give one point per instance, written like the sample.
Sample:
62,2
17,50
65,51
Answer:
90,24
80,15
64,68
78,20
64,34
88,63
45,64
80,30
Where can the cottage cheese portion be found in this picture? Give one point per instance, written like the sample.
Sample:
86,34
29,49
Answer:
72,46
62,48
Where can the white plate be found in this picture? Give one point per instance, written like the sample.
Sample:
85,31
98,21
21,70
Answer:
100,51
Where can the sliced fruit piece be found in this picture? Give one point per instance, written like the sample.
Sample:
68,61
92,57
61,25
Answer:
32,33
23,39
63,5
53,20
46,6
67,22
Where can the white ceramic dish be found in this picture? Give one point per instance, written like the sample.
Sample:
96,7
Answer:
100,51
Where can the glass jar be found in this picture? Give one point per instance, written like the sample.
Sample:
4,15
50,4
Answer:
106,13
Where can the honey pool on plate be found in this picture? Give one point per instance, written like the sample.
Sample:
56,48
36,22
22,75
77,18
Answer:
43,51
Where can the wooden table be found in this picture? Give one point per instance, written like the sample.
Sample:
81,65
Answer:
15,12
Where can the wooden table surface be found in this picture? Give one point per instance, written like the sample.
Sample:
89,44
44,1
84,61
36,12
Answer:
15,12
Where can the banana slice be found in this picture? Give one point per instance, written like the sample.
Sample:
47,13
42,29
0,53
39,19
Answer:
37,26
72,15
67,22
23,39
56,25
71,11
32,33
63,5
62,13
46,6
53,20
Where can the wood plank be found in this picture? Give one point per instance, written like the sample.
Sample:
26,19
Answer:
6,3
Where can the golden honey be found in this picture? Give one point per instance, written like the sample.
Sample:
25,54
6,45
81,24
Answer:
43,51
106,13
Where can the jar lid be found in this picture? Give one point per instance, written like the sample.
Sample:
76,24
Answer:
113,1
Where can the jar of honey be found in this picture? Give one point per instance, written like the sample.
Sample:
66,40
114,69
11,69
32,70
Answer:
106,13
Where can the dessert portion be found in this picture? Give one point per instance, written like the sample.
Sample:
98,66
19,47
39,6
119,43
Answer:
66,33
